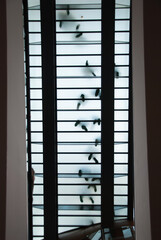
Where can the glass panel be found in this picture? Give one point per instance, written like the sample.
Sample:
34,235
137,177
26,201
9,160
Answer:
120,200
35,49
36,105
38,168
34,38
121,180
35,61
35,73
122,13
78,60
39,231
34,27
38,220
76,158
118,168
122,25
34,14
78,49
120,158
37,158
81,82
36,83
79,112
121,115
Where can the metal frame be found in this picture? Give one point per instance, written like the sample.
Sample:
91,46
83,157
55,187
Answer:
30,222
49,117
130,150
107,119
49,90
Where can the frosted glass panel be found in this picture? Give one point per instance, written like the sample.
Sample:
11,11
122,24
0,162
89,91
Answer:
35,49
121,48
121,180
81,137
118,168
79,112
37,158
78,14
78,81
36,83
35,61
120,200
38,220
36,148
36,94
122,13
38,169
81,49
121,103
90,168
34,27
34,38
120,158
39,231
34,14
122,25
36,105
77,60
76,158
36,115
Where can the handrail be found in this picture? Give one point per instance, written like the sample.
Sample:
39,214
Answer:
80,233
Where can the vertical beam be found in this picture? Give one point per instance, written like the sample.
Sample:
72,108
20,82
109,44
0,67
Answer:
25,7
49,117
107,112
130,140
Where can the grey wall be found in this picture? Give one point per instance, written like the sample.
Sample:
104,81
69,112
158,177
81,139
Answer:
12,121
3,117
142,212
147,117
152,41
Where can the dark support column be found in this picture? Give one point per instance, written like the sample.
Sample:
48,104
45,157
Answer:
49,117
25,6
130,150
108,10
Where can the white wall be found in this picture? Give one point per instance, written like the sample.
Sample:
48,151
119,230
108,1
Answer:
141,176
16,209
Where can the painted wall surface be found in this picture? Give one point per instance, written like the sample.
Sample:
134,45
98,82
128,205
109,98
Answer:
3,117
142,206
152,40
16,203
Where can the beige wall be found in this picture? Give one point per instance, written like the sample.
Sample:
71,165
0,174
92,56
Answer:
147,117
14,176
3,117
152,46
142,212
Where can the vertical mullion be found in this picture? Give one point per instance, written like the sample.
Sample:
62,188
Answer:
30,221
108,112
130,150
49,117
